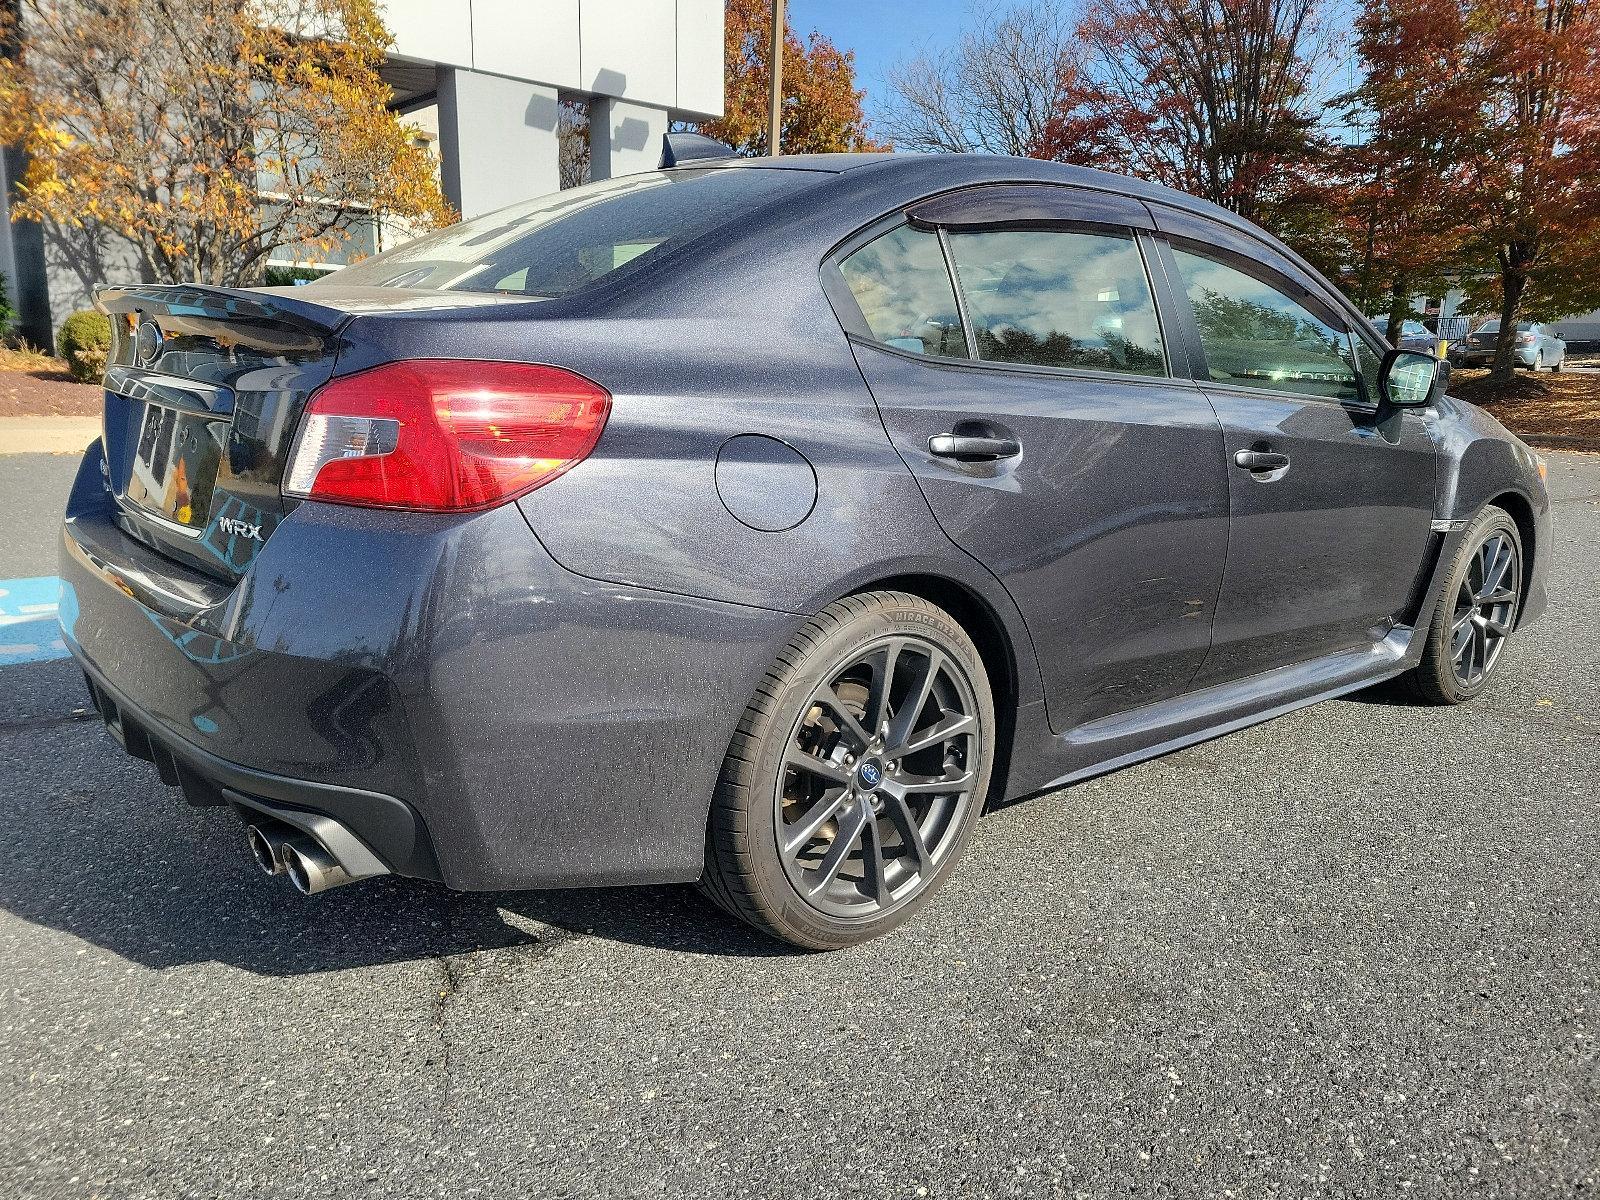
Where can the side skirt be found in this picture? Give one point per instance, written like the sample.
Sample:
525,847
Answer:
1110,743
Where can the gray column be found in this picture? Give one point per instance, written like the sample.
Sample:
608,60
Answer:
624,138
497,140
26,277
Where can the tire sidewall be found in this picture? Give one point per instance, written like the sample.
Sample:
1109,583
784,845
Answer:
888,616
1490,520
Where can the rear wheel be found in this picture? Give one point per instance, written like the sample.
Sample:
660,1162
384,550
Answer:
1475,614
856,775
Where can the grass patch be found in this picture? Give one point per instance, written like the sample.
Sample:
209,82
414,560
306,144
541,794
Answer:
32,361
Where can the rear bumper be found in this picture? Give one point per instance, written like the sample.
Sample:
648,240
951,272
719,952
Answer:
1525,356
472,711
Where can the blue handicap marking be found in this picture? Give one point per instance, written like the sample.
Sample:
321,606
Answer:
29,630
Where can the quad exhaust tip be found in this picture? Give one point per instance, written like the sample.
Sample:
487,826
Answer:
310,868
265,849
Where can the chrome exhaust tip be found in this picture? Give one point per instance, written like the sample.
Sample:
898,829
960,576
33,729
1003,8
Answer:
265,849
311,868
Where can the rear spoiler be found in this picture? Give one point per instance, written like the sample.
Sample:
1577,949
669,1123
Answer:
200,302
687,147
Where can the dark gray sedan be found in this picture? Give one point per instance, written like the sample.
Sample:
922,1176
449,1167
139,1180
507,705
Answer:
760,522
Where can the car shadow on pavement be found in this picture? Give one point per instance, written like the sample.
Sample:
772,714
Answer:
91,844
149,909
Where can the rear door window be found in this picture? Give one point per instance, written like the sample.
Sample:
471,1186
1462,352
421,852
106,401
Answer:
1255,334
1067,298
902,286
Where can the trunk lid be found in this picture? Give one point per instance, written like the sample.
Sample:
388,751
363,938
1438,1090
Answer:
202,395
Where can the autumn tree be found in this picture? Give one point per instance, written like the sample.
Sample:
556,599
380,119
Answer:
1214,97
821,104
1394,184
1530,155
210,133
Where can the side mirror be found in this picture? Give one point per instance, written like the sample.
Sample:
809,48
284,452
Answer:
1412,379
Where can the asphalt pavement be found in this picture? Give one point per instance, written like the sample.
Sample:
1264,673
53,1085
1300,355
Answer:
1351,952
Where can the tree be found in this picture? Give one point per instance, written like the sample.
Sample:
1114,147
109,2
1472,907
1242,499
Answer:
1004,88
1213,97
1530,154
1395,187
210,133
821,105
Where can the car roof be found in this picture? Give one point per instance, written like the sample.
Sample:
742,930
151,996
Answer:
926,174
961,170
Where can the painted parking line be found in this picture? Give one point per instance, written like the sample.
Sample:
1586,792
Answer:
29,630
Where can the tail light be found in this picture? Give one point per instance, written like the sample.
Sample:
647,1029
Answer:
1527,339
444,435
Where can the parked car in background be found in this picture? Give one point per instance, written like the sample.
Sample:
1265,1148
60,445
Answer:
761,522
1414,335
1536,346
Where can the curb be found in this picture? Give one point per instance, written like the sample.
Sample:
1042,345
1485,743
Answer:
47,435
1561,441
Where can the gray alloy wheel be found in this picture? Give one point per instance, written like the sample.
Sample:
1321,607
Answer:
856,776
1476,612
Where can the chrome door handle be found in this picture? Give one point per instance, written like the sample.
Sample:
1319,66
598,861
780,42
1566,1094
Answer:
1260,460
970,448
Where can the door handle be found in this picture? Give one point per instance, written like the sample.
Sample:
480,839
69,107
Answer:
972,448
1260,460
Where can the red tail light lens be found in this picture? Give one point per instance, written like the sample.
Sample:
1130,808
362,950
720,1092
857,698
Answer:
444,435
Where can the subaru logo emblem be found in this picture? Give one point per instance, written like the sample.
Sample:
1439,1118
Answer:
871,774
147,343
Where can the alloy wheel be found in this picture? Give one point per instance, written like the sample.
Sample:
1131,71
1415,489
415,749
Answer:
878,773
1485,608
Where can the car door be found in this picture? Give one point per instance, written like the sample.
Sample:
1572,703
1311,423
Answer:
1331,500
1011,339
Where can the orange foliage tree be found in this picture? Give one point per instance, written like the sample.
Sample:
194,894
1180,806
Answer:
210,133
821,104
1395,185
1530,154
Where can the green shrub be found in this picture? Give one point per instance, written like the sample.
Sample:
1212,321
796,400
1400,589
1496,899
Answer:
85,343
8,314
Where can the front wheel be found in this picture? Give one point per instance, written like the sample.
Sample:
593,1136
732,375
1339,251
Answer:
1475,615
856,775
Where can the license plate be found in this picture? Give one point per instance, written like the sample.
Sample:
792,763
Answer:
175,465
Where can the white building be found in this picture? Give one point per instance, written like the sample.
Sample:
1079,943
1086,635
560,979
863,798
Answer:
486,78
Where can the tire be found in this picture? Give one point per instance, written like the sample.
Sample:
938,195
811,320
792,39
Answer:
794,754
1560,362
1438,678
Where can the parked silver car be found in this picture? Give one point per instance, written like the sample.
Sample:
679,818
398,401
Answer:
1536,346
1414,335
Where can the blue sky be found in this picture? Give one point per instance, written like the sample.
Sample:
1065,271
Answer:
881,32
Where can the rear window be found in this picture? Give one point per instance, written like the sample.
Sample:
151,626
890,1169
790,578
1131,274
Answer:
558,244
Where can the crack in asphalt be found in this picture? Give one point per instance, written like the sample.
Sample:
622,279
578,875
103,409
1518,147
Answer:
452,972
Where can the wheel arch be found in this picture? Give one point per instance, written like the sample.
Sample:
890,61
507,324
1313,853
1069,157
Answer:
996,646
1521,511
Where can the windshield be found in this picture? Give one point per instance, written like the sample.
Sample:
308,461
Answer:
557,244
1494,326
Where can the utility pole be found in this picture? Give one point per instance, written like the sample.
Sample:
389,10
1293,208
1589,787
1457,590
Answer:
775,101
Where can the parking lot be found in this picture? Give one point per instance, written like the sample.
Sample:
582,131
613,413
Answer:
1352,952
